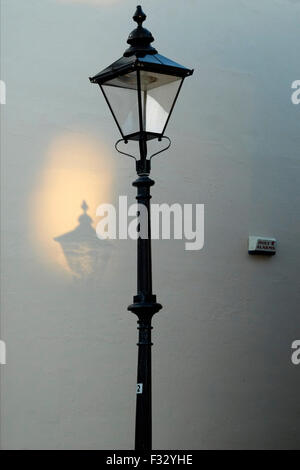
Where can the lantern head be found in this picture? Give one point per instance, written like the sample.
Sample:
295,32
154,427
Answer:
141,88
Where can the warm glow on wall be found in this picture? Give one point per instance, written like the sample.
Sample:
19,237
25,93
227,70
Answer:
77,168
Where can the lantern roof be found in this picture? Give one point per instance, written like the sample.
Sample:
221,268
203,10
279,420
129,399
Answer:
141,55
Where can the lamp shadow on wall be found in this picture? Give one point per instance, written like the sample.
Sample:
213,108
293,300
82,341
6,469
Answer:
84,252
61,226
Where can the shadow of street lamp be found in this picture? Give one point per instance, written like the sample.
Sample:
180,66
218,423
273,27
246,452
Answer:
84,252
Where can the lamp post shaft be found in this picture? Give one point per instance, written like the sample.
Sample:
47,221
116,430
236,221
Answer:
143,420
143,424
144,306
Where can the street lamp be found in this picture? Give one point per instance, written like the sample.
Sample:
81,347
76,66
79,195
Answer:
141,89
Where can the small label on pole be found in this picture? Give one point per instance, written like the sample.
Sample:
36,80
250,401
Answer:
139,388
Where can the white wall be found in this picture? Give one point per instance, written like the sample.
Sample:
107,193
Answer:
222,374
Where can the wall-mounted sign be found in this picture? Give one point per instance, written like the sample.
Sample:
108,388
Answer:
261,245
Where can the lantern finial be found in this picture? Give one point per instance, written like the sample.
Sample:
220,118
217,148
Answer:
140,38
139,16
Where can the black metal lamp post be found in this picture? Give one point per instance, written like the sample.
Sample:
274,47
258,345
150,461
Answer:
141,89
